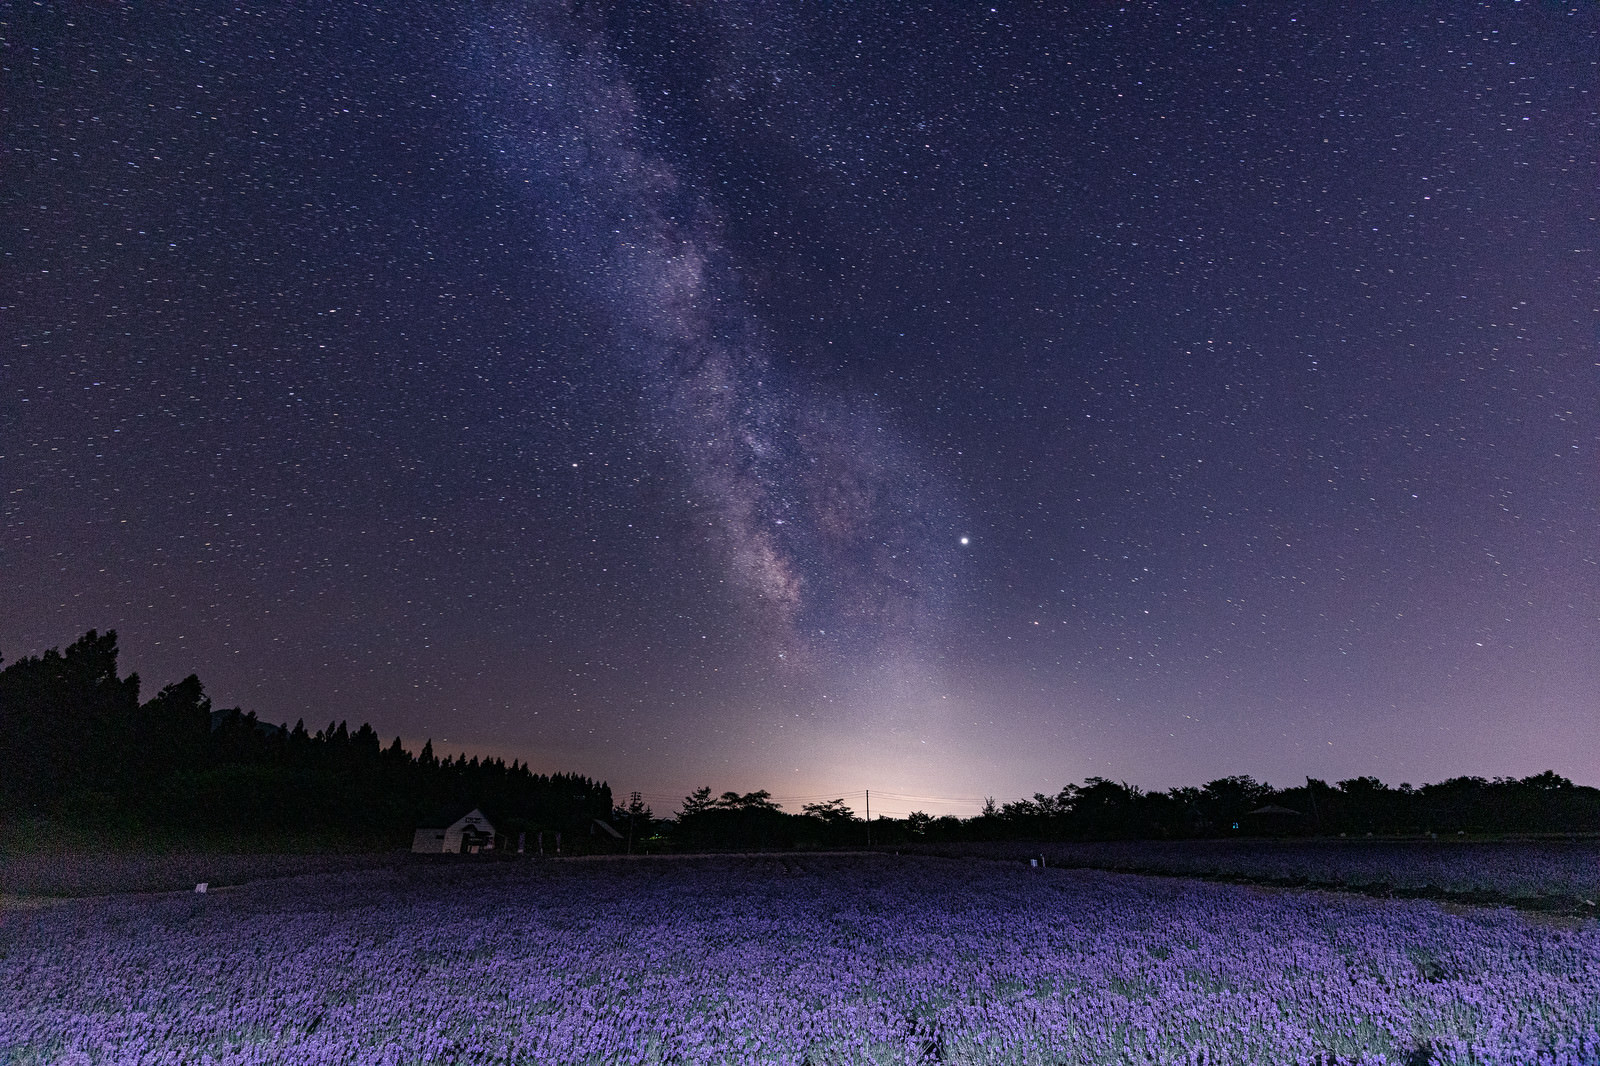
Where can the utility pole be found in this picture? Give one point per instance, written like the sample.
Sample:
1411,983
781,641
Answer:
635,803
869,817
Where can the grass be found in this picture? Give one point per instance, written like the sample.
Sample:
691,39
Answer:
51,858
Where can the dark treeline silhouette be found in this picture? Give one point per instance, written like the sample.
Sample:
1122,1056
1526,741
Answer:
1106,810
76,743
1241,806
734,822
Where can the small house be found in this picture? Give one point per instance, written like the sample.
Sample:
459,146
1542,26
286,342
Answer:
455,831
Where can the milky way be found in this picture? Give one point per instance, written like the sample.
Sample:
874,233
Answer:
835,531
958,399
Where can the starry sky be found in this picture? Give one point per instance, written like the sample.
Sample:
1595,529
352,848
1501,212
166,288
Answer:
949,401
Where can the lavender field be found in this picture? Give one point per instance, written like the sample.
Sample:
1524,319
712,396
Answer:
823,959
1563,875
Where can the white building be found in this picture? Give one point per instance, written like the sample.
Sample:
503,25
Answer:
455,831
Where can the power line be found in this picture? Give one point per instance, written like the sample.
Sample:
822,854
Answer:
935,799
889,804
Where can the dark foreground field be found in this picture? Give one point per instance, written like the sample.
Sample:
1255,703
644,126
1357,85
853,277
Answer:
31,879
822,959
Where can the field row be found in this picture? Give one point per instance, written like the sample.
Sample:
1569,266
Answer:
1560,873
869,959
99,873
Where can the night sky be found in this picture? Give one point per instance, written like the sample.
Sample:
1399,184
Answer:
820,397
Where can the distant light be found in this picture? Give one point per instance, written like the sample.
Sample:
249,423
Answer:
966,540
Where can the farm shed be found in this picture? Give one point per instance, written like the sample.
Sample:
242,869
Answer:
1273,820
455,830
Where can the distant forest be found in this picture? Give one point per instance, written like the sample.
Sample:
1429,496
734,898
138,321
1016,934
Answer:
1107,810
77,744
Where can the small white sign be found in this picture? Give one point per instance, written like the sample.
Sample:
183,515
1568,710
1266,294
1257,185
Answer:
202,886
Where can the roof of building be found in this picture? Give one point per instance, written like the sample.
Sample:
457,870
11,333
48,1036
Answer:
220,717
445,817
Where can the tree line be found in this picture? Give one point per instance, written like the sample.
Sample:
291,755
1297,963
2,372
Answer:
76,742
1099,809
1241,806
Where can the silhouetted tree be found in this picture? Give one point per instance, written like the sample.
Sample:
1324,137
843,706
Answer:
1225,802
1105,810
66,721
172,731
